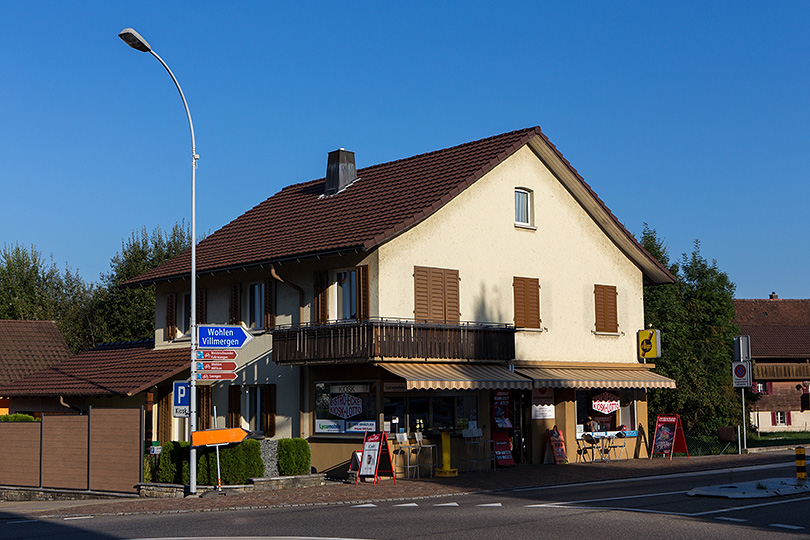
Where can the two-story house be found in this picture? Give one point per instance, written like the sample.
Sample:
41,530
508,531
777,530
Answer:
780,347
483,285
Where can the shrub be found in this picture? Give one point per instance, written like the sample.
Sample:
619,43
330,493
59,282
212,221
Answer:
294,457
237,463
17,417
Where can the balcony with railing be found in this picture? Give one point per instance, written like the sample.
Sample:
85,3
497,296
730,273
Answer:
368,340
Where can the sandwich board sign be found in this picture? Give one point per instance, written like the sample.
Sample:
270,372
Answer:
376,458
669,436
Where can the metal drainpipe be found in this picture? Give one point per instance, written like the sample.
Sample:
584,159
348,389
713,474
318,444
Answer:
294,286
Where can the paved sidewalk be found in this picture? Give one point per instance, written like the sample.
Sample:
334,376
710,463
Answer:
404,489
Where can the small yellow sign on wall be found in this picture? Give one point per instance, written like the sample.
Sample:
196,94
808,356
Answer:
649,344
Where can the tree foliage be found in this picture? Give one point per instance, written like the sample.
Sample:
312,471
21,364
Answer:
695,316
33,289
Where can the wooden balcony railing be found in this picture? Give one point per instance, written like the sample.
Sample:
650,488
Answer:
352,341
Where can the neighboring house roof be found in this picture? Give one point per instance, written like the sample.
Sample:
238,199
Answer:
28,346
385,200
112,369
779,328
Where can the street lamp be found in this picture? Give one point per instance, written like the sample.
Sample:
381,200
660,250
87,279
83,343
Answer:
136,41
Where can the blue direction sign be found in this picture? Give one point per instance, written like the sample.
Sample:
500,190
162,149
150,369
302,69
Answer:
211,336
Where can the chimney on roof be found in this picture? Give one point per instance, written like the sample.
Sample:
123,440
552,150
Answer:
774,296
340,171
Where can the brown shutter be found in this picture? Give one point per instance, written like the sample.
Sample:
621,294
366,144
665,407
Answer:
202,309
436,295
421,301
320,304
203,406
268,409
164,423
270,304
362,290
607,319
235,306
234,406
171,317
452,308
527,302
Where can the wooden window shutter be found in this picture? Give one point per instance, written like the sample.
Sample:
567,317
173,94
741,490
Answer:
362,290
202,309
270,304
235,305
164,423
268,409
452,307
204,407
607,319
527,302
421,281
769,388
234,406
773,418
787,418
320,304
171,317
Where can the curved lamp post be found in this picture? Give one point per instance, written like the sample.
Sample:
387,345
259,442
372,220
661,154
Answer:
136,41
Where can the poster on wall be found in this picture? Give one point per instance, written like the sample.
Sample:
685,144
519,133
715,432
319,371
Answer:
500,409
542,403
668,438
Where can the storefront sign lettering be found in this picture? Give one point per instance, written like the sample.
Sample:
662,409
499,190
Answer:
345,406
606,403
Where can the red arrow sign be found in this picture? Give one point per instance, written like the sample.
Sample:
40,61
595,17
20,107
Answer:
224,376
216,366
216,355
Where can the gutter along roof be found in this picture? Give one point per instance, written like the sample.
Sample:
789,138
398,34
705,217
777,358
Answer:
121,369
386,200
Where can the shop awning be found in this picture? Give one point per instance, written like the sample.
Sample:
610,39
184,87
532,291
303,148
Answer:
424,376
562,377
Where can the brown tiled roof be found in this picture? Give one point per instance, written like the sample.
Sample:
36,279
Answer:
779,328
383,202
28,346
116,369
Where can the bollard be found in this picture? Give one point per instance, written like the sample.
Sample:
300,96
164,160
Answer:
801,468
446,470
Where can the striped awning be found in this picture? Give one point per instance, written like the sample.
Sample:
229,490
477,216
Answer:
562,377
425,376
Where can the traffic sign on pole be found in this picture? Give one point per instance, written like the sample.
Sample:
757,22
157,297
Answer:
180,399
741,374
212,336
217,355
216,376
216,366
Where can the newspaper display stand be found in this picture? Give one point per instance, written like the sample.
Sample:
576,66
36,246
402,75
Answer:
669,436
375,460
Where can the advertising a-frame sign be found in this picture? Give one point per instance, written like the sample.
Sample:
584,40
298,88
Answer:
668,438
376,458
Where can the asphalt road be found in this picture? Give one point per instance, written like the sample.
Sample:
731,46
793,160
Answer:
650,508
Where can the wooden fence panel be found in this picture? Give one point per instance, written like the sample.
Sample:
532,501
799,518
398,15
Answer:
19,453
64,452
115,449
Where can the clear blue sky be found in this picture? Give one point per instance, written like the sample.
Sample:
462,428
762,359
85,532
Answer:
690,116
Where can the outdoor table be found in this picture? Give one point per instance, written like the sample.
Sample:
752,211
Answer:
604,439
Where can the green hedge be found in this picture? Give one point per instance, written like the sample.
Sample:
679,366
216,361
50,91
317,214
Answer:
294,457
237,463
17,417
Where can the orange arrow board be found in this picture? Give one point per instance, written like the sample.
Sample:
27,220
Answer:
217,436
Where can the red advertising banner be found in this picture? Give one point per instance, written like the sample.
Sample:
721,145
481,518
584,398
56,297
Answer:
669,437
375,460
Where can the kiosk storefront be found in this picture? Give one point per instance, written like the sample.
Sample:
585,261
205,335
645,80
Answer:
345,401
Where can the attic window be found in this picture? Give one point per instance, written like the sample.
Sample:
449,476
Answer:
524,216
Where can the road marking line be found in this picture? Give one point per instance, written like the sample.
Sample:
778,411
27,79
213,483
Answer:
23,521
365,506
784,526
78,517
490,504
736,520
407,504
447,504
760,505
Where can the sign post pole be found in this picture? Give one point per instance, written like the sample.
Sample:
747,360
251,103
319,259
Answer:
741,376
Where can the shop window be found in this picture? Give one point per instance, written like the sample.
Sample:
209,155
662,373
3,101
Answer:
345,407
430,413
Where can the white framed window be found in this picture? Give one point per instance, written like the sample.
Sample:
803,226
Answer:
524,202
346,295
761,388
780,418
255,305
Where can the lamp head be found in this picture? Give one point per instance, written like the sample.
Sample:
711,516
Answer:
134,40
